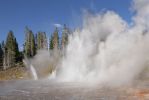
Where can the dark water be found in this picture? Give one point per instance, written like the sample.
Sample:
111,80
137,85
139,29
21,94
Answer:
50,90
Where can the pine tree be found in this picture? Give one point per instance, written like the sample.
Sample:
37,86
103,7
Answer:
51,43
45,42
29,46
10,51
65,34
41,40
17,53
1,57
33,46
27,42
3,45
55,39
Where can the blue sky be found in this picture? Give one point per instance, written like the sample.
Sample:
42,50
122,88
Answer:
41,15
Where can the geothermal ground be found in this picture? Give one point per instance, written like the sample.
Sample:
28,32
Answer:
50,90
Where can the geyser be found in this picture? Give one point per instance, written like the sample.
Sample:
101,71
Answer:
107,50
34,73
31,68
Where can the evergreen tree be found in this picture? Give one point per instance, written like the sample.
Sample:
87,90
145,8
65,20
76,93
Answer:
3,45
55,39
33,46
27,42
1,57
10,51
29,46
41,40
65,34
17,53
36,42
51,43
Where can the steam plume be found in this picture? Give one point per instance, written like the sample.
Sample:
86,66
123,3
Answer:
106,50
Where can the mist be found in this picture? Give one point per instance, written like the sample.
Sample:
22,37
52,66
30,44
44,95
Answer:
106,50
43,63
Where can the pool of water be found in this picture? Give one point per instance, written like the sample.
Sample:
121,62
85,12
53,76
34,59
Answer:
51,90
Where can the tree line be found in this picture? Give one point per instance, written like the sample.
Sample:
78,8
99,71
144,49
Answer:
10,56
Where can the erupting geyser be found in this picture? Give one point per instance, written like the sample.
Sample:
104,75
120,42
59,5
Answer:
107,50
31,69
34,73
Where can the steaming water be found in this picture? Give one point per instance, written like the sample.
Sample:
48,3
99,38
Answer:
34,73
107,50
52,75
31,68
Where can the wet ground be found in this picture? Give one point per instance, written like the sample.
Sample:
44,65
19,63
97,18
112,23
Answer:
47,90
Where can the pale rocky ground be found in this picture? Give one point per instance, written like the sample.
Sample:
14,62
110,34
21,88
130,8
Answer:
14,73
50,90
27,89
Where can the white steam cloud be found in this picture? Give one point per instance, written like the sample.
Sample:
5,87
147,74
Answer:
43,63
106,50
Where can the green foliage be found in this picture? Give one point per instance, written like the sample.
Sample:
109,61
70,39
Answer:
1,51
11,51
11,43
33,46
29,46
55,39
41,40
1,57
51,43
3,44
65,34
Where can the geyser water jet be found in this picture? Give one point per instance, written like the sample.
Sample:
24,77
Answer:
34,73
52,75
31,68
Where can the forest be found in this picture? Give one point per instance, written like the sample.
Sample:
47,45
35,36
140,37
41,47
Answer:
11,57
